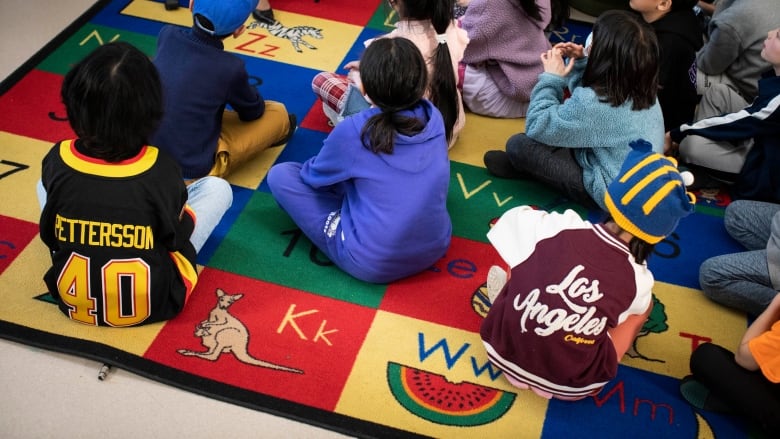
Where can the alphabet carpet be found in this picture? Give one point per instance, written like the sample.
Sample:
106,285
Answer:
307,341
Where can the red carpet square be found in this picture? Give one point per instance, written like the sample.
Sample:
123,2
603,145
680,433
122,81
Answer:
15,234
274,340
451,293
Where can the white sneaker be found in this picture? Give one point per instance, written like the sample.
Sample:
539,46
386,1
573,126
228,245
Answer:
496,279
333,116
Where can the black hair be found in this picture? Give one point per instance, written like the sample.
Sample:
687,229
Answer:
531,9
442,88
623,60
640,249
113,99
560,12
394,75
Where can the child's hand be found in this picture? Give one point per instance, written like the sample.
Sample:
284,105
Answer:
552,60
774,308
352,65
353,71
570,50
671,148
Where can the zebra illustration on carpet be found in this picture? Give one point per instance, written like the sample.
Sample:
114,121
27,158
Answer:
295,33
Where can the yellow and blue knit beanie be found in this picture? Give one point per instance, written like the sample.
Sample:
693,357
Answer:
648,197
225,15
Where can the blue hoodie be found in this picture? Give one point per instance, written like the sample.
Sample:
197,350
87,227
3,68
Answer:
394,219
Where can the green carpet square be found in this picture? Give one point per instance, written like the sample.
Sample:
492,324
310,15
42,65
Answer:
264,243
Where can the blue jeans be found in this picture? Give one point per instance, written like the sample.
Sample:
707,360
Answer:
208,197
741,280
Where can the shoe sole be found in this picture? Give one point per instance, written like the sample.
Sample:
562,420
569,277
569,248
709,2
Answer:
293,128
496,279
266,17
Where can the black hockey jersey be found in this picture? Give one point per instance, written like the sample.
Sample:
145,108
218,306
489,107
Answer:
118,235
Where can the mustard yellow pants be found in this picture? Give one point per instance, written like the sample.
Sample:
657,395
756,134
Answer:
240,140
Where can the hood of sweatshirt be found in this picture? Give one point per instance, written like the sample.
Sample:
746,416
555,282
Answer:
415,153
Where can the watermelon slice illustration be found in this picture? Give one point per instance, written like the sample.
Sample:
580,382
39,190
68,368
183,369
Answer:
434,398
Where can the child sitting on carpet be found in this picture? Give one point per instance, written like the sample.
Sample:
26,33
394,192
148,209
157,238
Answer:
748,383
502,61
578,293
431,26
736,141
577,145
199,79
731,51
114,215
374,199
679,37
746,280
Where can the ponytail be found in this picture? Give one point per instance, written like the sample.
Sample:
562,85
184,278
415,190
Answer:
442,85
378,134
560,12
640,249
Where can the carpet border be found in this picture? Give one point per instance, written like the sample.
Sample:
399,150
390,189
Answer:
49,47
206,387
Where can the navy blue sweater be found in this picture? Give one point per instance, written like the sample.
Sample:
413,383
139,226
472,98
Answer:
199,78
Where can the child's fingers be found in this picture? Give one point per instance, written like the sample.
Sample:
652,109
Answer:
569,68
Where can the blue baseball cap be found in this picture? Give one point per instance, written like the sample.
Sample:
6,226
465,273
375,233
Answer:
225,15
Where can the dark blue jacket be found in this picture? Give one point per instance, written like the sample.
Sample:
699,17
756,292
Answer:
759,178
